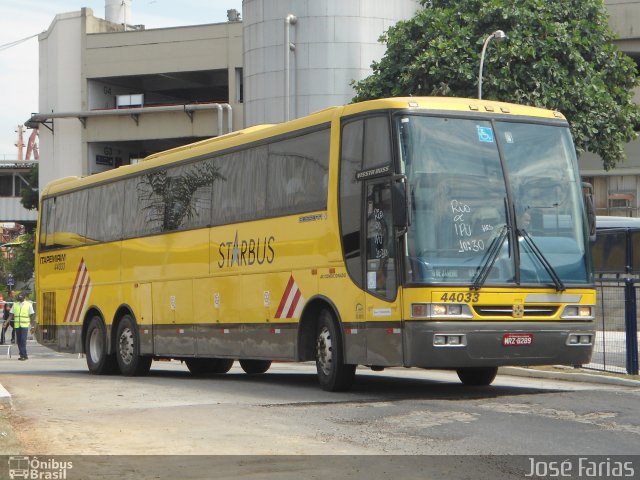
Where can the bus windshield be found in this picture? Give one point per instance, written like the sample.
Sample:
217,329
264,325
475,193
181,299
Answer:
479,219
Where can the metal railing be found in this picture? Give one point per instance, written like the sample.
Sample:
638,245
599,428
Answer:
616,344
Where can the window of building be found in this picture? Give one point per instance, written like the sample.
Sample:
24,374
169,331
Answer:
6,184
239,86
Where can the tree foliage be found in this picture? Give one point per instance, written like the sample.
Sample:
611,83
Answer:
21,261
559,55
29,194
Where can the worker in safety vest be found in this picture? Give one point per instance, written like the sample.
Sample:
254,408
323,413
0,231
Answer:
22,313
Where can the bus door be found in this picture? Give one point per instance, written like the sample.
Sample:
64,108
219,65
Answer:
383,304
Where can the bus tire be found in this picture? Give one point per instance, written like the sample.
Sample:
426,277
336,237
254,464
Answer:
480,376
221,365
333,374
99,361
202,366
255,367
131,363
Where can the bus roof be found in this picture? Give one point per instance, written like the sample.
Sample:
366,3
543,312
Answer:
258,132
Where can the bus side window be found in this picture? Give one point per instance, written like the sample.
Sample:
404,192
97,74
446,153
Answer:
350,197
381,276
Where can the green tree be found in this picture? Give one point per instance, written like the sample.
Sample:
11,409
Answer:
559,55
21,263
29,193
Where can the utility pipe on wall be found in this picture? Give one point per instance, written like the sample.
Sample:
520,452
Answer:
288,48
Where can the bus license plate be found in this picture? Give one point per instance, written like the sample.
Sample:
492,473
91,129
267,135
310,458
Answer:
517,339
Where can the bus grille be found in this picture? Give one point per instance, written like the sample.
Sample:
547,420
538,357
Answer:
48,327
507,310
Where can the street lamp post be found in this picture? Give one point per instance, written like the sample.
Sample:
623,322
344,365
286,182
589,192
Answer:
498,35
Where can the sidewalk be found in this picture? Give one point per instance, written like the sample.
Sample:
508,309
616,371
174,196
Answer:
571,374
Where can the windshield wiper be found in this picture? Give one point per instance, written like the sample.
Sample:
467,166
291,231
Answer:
542,259
489,259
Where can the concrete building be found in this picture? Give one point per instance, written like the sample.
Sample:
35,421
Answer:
617,192
111,94
13,178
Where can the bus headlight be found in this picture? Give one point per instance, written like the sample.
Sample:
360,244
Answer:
578,312
440,310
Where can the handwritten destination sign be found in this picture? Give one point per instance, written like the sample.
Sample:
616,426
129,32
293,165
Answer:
461,216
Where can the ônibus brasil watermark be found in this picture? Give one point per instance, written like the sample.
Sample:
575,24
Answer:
35,468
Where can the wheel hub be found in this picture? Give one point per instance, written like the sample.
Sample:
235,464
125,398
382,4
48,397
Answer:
324,353
125,346
95,346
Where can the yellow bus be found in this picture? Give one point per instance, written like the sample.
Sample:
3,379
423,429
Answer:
419,232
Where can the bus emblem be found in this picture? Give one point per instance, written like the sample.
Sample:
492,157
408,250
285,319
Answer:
518,311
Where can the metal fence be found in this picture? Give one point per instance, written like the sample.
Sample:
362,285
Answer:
616,261
616,344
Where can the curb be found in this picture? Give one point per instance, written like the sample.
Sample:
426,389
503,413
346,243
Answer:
5,397
569,377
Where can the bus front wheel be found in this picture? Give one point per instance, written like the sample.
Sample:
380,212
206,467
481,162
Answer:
131,363
333,374
480,376
95,347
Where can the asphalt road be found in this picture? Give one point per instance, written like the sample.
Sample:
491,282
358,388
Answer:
60,409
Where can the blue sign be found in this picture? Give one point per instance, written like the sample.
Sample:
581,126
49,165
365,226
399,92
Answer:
485,134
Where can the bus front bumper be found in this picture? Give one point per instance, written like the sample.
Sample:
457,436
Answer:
482,344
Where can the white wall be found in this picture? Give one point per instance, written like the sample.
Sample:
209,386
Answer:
60,91
336,42
113,152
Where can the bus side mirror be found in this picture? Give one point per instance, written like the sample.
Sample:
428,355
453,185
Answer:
401,203
587,195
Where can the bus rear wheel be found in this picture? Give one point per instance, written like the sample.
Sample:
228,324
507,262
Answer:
254,367
201,366
99,361
481,376
131,363
333,374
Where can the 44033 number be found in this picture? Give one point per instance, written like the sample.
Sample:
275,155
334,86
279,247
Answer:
460,297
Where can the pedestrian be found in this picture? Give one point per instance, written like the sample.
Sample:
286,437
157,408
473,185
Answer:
5,316
22,313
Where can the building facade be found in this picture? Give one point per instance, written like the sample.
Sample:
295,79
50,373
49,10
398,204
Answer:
617,191
111,94
13,179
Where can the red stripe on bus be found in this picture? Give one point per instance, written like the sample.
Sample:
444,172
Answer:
77,294
294,303
84,291
73,291
283,301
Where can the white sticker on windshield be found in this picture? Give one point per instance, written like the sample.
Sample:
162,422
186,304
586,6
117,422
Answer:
485,134
508,136
371,280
